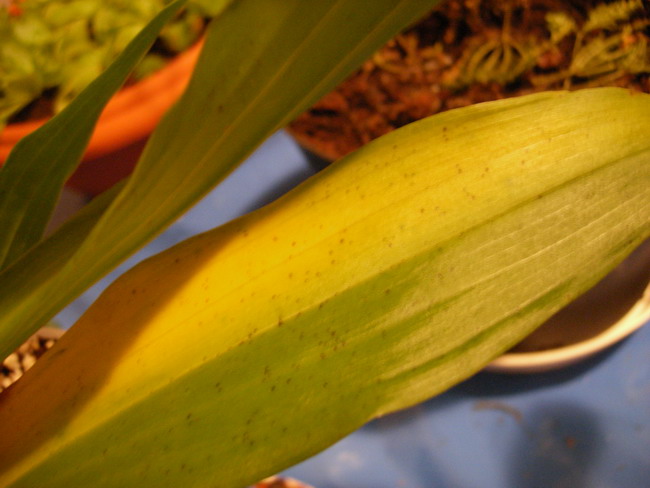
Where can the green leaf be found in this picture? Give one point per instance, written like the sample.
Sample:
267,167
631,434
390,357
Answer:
41,262
390,276
34,173
609,15
560,25
263,63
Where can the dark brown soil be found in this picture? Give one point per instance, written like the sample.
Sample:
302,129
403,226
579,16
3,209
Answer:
470,51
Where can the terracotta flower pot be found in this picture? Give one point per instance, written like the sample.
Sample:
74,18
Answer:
122,129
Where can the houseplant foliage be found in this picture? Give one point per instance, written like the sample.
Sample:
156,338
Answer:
52,50
392,275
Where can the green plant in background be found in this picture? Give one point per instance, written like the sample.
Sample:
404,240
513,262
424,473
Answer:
51,50
608,45
500,58
610,42
390,276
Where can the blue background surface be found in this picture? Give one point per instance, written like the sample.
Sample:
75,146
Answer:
584,426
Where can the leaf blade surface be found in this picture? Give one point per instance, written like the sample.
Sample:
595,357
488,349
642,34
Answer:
374,291
263,62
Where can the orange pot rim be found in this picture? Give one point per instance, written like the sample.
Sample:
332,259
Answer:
130,115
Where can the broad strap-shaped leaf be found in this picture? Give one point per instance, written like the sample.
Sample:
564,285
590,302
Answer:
43,261
387,278
263,62
33,175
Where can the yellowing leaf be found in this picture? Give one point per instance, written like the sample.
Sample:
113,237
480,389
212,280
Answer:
387,278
